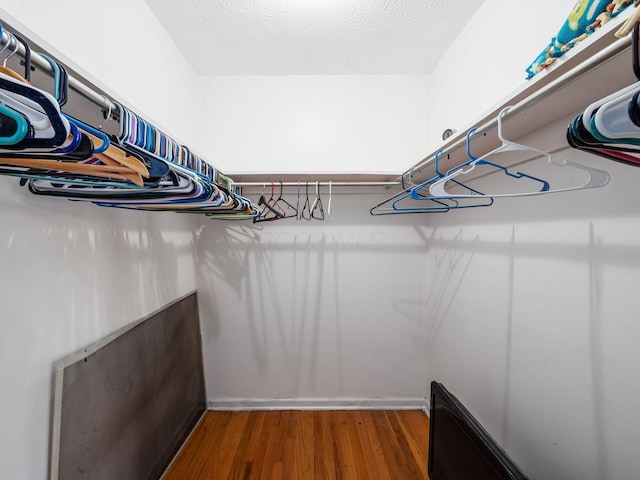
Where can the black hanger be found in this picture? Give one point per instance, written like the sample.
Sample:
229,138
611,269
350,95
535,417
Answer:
53,114
306,210
268,213
27,57
317,211
288,209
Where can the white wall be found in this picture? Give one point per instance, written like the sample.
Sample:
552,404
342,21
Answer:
314,123
488,60
121,47
533,324
70,274
315,312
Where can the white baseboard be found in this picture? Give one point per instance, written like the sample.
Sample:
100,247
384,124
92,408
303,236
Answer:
246,404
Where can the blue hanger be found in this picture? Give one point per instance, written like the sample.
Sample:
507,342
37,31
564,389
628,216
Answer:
437,188
488,201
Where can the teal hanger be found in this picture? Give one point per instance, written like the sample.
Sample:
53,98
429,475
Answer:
21,128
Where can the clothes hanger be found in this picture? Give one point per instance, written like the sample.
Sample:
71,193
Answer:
581,138
317,211
286,206
609,127
421,192
306,210
7,71
72,146
12,39
270,211
27,57
156,166
13,127
41,110
393,205
596,177
274,202
437,188
417,199
267,212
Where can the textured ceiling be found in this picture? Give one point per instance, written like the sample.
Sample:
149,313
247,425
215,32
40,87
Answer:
313,37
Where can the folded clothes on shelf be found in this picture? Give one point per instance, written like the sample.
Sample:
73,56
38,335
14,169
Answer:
585,18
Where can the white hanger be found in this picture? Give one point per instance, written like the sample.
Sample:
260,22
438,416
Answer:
612,118
597,178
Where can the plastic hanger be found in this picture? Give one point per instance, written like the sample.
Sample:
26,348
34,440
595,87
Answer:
421,192
74,139
582,139
610,126
40,108
596,178
27,57
8,71
317,212
306,210
288,209
393,205
268,211
14,127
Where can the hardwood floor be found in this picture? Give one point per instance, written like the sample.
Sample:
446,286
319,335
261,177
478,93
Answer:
300,445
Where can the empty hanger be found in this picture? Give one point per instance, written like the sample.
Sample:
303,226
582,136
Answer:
317,211
288,209
596,177
306,210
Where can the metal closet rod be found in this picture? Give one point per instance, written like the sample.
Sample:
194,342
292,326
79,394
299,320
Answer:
313,183
37,60
607,53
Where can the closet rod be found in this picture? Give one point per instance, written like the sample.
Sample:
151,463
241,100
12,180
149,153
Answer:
87,92
312,183
607,53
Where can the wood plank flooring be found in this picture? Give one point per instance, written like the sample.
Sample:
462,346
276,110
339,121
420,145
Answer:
300,445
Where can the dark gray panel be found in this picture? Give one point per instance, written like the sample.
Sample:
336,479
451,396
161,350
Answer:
127,407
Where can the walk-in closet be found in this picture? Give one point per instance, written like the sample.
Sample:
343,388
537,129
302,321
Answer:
295,239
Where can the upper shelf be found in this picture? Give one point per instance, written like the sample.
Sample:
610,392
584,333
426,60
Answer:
596,67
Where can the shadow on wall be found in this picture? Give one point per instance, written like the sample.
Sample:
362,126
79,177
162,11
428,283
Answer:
443,281
313,297
72,273
92,269
556,321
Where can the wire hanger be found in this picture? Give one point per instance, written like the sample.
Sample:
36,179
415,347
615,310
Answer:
13,39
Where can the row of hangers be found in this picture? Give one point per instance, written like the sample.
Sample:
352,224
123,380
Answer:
465,186
303,208
140,167
610,127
